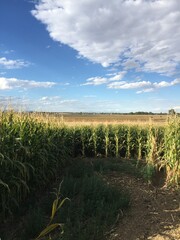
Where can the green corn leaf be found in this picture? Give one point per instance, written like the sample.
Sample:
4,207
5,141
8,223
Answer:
49,229
54,208
62,202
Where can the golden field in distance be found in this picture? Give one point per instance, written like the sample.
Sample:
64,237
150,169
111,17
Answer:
95,119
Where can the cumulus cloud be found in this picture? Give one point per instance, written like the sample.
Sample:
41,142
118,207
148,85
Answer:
11,83
130,64
118,76
145,90
141,34
43,99
55,104
146,86
166,84
13,64
105,80
56,100
46,103
95,81
115,81
131,85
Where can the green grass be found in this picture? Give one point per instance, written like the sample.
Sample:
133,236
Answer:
93,207
118,165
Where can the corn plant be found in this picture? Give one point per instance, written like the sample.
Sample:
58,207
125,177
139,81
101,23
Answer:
57,204
29,158
171,156
139,141
33,149
94,139
106,141
116,138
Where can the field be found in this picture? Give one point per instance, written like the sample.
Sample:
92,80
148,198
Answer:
95,119
38,150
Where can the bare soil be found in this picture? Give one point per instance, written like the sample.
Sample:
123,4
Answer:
154,213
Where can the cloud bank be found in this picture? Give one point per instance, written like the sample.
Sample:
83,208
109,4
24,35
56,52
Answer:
12,64
61,104
13,83
143,35
145,86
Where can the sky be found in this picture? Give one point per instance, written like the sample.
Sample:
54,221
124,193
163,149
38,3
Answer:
90,55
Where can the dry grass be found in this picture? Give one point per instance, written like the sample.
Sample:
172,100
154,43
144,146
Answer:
95,119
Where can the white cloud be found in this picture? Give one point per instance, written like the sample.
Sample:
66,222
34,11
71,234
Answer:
59,104
13,64
129,64
176,108
166,84
50,99
141,34
162,84
176,81
11,83
146,86
95,81
55,104
44,98
105,80
55,100
118,76
46,103
112,82
131,85
145,90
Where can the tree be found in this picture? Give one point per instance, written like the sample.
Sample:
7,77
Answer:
172,112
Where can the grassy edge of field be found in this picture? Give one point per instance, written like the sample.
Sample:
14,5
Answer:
92,210
94,205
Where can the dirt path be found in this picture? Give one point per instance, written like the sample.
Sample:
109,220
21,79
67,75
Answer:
154,212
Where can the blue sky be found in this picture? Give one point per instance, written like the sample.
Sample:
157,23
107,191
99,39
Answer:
90,55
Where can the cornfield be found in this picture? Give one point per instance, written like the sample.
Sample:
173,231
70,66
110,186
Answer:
32,152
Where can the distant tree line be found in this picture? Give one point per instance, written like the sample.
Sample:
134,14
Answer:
170,112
